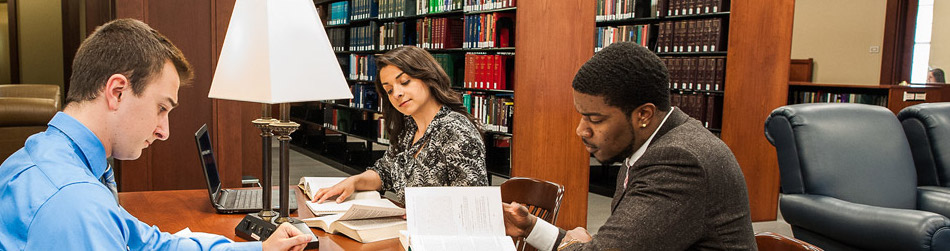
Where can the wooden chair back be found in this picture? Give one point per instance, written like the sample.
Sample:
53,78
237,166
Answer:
542,198
768,241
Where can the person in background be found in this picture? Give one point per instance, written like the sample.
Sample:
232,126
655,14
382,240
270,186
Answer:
434,141
680,187
936,75
58,191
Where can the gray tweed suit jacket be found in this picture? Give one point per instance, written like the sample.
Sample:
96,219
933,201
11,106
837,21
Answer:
686,193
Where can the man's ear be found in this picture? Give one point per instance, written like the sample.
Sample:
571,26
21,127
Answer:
115,86
642,115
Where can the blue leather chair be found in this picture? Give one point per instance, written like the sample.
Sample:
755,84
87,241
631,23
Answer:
848,181
927,127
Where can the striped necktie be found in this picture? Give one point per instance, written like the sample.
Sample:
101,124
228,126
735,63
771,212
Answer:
626,174
108,179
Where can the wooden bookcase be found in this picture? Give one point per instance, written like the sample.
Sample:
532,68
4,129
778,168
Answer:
895,97
323,137
758,39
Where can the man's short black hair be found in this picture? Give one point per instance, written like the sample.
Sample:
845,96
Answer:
627,75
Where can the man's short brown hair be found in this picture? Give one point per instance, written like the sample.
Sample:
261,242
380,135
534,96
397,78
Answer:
124,46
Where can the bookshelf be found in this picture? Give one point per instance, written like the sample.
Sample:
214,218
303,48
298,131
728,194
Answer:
747,41
460,34
688,36
894,97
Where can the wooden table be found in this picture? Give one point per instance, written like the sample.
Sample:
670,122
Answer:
175,210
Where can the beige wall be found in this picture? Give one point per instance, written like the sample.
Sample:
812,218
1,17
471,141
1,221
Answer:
41,41
4,44
940,42
838,35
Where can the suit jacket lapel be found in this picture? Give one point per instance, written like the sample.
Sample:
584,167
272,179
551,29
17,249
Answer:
676,119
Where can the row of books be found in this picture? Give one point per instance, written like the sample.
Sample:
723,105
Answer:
452,64
799,97
437,6
493,112
480,5
364,97
397,8
363,38
395,34
605,36
337,38
359,123
364,9
339,13
489,30
491,72
696,73
617,9
691,7
362,67
439,33
702,35
705,107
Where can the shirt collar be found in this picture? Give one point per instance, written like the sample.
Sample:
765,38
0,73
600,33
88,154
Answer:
639,153
411,124
92,150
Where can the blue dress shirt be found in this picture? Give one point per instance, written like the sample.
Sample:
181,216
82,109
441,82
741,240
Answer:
51,199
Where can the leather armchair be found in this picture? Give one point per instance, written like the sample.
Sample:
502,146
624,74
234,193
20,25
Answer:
848,181
927,127
24,110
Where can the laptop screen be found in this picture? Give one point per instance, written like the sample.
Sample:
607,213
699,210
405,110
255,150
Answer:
206,154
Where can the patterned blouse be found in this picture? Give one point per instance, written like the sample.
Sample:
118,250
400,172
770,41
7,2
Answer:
452,154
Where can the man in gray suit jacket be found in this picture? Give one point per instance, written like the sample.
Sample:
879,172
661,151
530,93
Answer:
680,187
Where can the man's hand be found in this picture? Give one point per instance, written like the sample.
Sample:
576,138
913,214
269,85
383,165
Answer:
344,189
287,237
580,234
518,221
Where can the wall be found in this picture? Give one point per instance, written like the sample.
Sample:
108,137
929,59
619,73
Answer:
4,44
940,42
838,35
41,41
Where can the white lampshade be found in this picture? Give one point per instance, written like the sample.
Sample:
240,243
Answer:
276,51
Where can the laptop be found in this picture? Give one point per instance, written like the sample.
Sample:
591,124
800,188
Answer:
229,201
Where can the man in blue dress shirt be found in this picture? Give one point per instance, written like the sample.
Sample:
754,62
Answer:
58,191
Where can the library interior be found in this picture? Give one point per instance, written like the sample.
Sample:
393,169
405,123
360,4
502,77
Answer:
475,124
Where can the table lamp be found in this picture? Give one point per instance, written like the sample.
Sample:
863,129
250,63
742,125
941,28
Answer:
276,52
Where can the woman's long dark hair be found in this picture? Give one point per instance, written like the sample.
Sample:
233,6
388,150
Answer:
419,64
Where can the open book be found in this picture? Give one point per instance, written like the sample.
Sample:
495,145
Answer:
456,218
364,216
310,185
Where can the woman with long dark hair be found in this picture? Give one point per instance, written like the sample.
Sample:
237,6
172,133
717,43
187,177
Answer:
434,141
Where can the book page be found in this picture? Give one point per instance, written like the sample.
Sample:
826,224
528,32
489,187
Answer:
326,221
462,243
358,211
454,211
310,185
367,208
366,224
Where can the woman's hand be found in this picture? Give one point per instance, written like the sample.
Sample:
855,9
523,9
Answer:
342,190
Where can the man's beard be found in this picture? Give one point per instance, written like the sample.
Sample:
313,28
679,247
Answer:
624,154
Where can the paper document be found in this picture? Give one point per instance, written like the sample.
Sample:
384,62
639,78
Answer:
463,218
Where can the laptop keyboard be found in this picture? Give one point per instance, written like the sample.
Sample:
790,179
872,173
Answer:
251,198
